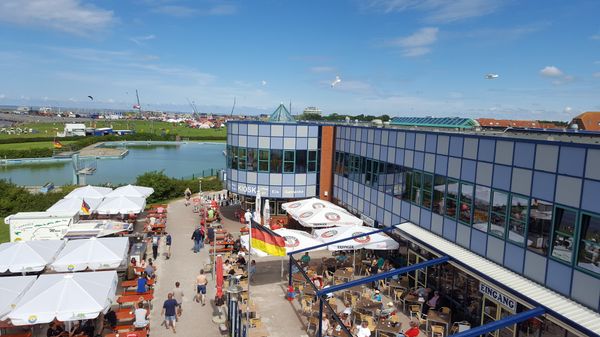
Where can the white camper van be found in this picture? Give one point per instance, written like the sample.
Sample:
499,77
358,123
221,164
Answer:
26,226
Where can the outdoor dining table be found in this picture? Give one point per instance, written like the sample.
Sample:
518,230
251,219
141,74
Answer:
384,327
342,274
125,315
258,332
435,316
133,283
135,298
19,334
135,333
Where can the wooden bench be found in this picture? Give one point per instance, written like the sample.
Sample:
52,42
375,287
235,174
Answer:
128,293
222,250
124,327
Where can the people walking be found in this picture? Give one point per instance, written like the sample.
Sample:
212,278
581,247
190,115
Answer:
197,238
187,194
168,242
169,310
155,242
178,296
201,282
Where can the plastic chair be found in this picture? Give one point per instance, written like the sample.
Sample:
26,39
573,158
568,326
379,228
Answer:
414,309
445,310
312,321
460,327
437,330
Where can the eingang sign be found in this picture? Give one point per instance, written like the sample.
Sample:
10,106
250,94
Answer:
498,297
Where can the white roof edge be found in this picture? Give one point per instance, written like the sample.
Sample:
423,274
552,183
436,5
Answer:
570,309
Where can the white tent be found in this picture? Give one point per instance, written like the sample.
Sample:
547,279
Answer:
372,241
121,205
94,253
294,240
28,256
89,191
74,205
66,297
11,290
131,191
318,213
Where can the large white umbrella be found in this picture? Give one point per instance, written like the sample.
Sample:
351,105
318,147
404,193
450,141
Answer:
121,205
300,206
66,297
11,290
294,240
257,205
131,191
372,241
89,191
94,253
318,213
267,213
73,205
28,256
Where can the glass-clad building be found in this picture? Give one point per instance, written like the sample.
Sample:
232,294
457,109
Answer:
529,203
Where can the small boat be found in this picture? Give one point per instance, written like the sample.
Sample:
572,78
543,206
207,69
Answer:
47,187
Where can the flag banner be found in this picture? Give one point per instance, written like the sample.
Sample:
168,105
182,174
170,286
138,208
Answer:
57,144
266,240
85,208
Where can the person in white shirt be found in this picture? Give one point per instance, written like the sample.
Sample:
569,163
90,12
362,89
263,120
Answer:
141,316
363,330
325,326
248,217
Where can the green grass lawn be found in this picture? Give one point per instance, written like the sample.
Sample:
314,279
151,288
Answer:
4,232
50,129
31,145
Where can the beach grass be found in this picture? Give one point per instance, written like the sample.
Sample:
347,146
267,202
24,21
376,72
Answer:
4,232
31,145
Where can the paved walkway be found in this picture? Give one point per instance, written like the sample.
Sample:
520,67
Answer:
183,266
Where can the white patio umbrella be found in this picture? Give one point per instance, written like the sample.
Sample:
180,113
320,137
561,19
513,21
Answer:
257,205
131,191
294,240
66,297
376,241
72,205
11,290
89,191
318,213
267,214
28,256
121,205
300,206
94,254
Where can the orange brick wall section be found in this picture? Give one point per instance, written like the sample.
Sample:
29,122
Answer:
326,163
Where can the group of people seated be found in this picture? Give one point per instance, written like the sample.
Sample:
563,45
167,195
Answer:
78,329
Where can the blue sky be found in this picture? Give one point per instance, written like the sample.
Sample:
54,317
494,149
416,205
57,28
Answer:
400,57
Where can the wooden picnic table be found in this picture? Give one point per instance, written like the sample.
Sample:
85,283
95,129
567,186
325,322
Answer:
384,327
125,315
135,298
343,274
133,283
434,316
19,334
135,333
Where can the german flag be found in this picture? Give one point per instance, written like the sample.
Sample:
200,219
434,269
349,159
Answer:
85,208
268,241
57,144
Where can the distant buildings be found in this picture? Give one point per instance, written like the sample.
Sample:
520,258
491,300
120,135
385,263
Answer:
312,110
588,121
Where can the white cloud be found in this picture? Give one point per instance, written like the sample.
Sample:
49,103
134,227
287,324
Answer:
596,74
263,83
595,37
2,96
141,39
568,110
438,11
187,11
69,16
551,71
418,43
322,69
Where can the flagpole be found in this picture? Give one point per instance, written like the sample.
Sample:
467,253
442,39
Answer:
248,263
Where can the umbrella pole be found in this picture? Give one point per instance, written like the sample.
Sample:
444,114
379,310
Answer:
353,261
248,262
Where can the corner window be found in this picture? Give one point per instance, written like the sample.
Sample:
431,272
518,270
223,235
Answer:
242,158
312,161
563,243
301,161
466,203
234,160
427,190
276,161
589,243
415,191
498,213
518,219
540,224
252,161
263,160
451,198
481,213
439,188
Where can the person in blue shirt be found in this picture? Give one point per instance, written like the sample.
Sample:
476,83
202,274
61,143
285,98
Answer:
170,311
168,241
376,296
142,281
342,257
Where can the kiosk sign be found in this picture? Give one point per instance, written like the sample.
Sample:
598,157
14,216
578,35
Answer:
498,297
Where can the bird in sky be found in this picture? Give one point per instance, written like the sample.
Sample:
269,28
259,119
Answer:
491,76
336,81
90,97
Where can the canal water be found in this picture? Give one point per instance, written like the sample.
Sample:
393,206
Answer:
179,161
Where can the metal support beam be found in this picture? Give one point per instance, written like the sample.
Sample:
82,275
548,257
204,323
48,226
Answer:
508,321
386,229
320,334
382,276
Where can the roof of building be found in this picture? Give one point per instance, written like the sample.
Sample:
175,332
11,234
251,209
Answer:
589,121
515,123
437,122
531,291
282,115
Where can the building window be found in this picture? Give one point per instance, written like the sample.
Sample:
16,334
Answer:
518,219
276,161
387,180
399,182
301,161
481,214
263,160
242,158
565,222
367,171
540,223
288,161
234,160
416,185
451,198
427,190
439,188
589,244
375,170
229,156
499,213
252,161
312,161
466,203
